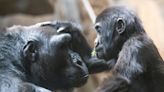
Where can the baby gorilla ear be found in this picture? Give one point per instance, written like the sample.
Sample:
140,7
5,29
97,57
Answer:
120,25
30,51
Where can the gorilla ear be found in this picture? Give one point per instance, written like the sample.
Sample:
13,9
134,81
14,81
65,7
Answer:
29,51
120,25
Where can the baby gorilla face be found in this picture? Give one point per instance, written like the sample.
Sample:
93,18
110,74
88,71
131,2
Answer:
49,61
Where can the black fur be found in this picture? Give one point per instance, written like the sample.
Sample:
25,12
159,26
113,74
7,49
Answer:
79,45
131,54
36,56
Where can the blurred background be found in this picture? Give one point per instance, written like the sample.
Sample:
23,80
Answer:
28,12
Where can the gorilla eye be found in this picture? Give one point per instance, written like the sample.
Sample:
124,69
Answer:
98,28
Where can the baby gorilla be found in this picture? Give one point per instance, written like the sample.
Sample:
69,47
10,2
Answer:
32,57
133,58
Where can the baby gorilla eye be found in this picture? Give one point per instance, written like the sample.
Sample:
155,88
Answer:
98,28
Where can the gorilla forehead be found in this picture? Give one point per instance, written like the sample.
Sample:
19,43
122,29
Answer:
35,32
69,25
116,12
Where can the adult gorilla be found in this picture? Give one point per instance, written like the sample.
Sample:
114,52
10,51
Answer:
36,57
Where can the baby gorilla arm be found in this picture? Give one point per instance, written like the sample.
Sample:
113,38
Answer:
96,65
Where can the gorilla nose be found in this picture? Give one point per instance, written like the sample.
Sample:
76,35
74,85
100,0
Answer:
78,62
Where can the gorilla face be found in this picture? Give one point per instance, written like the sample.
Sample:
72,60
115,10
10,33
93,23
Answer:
105,41
111,33
48,60
101,41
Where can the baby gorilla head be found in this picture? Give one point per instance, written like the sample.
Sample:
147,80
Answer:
46,58
114,26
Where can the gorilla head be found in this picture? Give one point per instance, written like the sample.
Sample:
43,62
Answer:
39,55
114,26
